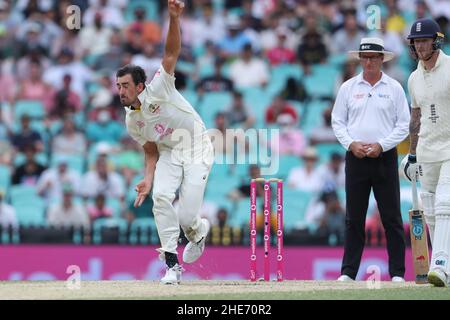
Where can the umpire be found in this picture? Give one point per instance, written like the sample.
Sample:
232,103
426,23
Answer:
370,117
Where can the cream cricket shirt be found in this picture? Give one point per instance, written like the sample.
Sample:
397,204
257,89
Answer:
371,114
430,91
164,116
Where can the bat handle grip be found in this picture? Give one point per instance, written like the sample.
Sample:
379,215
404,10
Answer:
415,200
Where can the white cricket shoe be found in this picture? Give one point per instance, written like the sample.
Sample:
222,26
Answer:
344,278
397,279
194,250
173,275
437,278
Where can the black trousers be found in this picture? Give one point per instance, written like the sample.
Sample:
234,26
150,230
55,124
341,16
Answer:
381,175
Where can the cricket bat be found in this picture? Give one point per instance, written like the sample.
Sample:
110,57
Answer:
419,240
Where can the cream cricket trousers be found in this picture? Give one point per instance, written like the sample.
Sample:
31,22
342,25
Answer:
436,182
187,171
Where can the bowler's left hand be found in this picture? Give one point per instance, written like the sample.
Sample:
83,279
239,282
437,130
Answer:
374,150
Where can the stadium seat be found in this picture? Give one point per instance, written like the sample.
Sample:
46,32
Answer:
33,108
280,74
5,178
287,162
192,97
23,194
102,224
295,204
321,83
74,162
40,158
143,231
31,213
212,103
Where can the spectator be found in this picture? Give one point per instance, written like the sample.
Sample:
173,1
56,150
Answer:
216,82
248,70
392,39
34,88
8,85
30,37
222,233
239,114
29,172
51,182
80,74
65,101
134,44
99,209
350,70
291,140
333,173
103,128
295,90
280,54
102,180
306,178
208,26
95,39
332,221
349,37
395,22
27,137
6,149
23,65
111,15
312,50
278,107
324,133
233,43
69,142
149,60
8,216
224,142
67,213
150,30
68,40
269,37
243,190
112,59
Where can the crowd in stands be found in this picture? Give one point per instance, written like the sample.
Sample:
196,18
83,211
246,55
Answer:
244,64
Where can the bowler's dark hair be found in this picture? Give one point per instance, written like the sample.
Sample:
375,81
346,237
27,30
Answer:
136,72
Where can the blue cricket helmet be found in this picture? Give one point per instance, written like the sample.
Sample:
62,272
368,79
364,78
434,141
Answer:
425,28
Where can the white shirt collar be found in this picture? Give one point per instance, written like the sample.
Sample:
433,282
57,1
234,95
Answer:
360,79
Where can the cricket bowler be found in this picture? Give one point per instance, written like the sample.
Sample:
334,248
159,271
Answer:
178,151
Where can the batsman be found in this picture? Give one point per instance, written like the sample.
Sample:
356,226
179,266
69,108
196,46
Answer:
429,88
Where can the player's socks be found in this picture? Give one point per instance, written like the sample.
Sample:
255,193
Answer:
171,259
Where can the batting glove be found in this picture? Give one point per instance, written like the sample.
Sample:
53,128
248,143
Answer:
412,169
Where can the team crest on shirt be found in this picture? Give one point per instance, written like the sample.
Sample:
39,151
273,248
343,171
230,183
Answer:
140,124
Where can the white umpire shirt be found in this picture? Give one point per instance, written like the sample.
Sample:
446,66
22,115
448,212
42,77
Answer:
371,114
